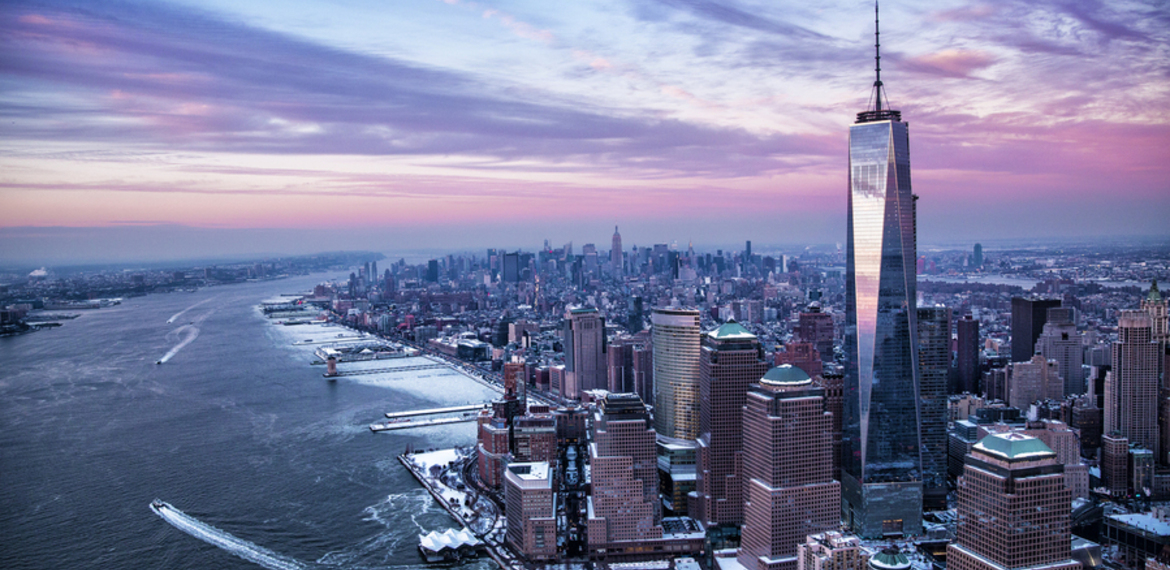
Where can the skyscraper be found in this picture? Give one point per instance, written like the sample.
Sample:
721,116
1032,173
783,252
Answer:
1060,341
1028,318
1014,508
1131,387
585,364
676,372
882,464
624,507
731,359
530,508
789,491
967,355
934,359
615,255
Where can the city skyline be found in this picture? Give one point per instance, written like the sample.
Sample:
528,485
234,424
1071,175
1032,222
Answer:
239,129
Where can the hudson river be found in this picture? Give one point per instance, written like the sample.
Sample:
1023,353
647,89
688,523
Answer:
235,429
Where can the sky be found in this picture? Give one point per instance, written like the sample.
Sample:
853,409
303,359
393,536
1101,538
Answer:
182,129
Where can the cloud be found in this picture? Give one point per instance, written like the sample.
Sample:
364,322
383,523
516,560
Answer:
187,80
949,63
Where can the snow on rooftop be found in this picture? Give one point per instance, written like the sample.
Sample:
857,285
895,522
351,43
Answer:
1146,522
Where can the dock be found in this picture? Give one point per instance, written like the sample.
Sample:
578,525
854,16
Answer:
388,370
408,424
435,411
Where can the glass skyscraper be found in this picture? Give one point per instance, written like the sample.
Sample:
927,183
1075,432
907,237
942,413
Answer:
882,440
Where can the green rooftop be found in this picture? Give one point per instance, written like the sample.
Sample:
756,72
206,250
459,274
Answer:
731,330
1014,445
786,374
1155,296
889,559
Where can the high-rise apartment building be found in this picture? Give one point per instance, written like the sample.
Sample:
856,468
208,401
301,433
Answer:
1060,341
1028,318
585,364
624,507
1131,386
882,471
1014,508
934,361
967,355
731,359
676,341
789,491
530,509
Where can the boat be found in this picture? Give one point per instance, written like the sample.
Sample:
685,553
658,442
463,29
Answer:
158,505
158,362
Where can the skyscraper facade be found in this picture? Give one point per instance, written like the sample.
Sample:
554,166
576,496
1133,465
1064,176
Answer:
1028,318
934,359
624,506
731,359
882,464
1060,341
615,255
585,363
967,355
789,491
1131,387
1014,508
676,372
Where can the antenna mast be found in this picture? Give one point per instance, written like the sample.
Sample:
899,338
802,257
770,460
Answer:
877,58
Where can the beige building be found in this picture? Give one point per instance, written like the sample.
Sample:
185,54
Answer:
789,489
531,512
831,551
1014,508
1131,386
623,509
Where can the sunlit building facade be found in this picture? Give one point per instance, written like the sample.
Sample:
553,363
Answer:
882,443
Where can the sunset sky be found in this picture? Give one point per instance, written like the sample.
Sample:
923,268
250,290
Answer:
192,128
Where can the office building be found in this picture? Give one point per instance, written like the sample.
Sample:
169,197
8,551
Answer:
802,355
624,509
1014,508
1028,318
585,364
1131,385
831,551
530,510
816,326
615,255
789,491
882,471
731,359
1034,380
934,362
1059,341
676,339
967,355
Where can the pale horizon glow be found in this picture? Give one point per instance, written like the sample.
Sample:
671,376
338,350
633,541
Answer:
431,124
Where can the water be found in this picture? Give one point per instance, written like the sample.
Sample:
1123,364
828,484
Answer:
265,463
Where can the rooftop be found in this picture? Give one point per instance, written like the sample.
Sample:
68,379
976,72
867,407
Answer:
731,330
785,375
1014,446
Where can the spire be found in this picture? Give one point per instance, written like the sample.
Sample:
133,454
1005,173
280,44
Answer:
878,111
1155,296
877,57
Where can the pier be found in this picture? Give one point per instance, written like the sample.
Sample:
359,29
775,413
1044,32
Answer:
436,411
410,424
388,370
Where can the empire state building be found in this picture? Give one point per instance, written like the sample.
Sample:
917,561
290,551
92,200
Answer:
882,472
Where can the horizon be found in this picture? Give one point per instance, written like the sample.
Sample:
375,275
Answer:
143,132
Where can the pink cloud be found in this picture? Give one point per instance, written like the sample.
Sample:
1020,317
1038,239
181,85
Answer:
950,62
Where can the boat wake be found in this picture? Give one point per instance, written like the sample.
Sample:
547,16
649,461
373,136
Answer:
180,313
190,332
225,540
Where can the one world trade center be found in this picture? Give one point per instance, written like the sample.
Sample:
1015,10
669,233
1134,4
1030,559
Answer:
881,447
